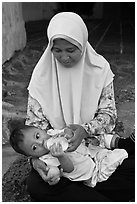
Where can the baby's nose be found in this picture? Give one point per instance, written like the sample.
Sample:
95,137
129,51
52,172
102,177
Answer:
40,142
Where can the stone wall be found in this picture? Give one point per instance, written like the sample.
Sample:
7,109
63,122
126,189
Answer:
13,29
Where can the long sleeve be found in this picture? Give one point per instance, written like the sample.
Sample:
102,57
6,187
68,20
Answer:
105,117
35,116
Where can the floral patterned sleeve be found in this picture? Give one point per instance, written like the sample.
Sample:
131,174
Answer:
105,117
35,116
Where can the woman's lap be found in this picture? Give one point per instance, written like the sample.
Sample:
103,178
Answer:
119,187
65,191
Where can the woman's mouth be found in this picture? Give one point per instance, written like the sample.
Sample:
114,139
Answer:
67,64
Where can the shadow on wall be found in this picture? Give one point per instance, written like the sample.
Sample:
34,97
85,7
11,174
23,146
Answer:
81,8
88,10
119,10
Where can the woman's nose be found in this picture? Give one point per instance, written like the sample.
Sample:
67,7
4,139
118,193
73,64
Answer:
64,57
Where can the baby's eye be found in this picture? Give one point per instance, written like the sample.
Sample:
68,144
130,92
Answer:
37,135
34,147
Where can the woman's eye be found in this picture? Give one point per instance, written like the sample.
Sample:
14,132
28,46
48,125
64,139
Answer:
34,147
55,50
71,50
37,135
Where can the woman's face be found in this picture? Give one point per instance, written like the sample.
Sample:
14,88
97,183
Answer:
66,53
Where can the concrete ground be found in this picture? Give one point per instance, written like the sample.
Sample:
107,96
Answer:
8,157
115,45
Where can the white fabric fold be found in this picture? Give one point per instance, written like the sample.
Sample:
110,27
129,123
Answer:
106,162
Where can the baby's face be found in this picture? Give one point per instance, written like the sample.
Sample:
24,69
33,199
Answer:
33,143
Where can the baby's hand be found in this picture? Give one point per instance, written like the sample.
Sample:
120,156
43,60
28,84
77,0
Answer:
68,133
56,150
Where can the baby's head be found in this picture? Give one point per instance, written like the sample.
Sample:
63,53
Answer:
29,140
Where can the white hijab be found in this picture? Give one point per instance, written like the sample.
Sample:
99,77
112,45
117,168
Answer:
69,95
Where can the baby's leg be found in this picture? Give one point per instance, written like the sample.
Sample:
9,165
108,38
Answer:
112,141
120,187
106,162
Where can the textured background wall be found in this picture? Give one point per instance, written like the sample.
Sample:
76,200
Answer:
13,30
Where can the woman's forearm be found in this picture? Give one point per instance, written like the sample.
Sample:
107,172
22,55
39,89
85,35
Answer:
102,123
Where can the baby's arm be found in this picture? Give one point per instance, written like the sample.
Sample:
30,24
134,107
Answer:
66,163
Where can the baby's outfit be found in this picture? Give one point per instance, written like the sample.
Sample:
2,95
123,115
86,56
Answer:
92,164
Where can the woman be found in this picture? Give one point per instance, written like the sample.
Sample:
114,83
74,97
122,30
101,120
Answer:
72,86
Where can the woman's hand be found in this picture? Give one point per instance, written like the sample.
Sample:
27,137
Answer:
41,168
79,134
54,174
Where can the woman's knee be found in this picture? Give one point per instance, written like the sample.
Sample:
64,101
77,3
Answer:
41,190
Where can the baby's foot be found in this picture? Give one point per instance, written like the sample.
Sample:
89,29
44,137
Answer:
105,140
108,140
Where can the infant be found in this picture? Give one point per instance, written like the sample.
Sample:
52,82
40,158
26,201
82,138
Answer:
88,164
